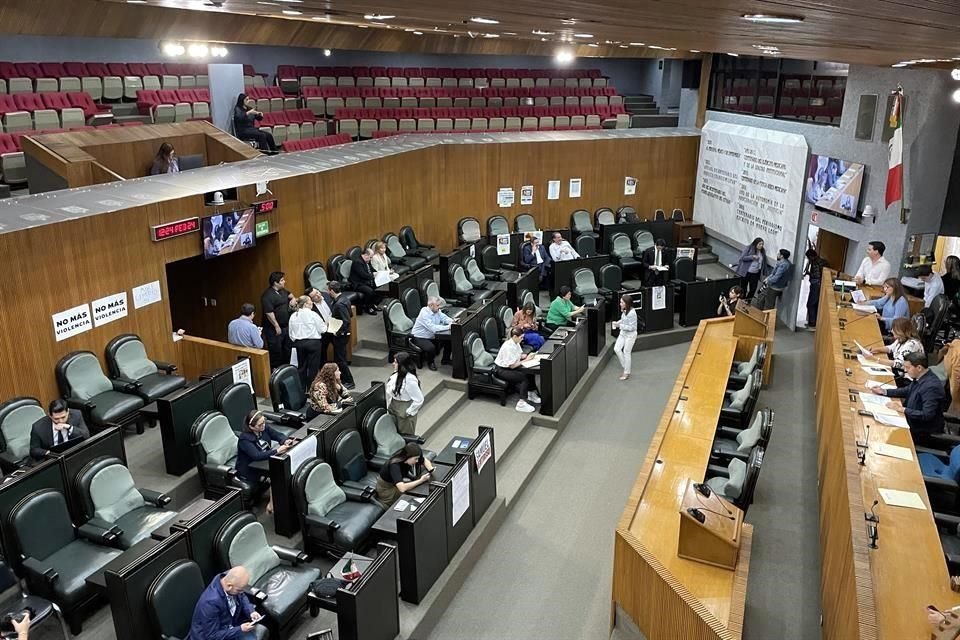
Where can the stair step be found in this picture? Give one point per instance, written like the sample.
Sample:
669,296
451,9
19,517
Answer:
640,122
143,119
706,258
524,460
634,111
437,408
507,423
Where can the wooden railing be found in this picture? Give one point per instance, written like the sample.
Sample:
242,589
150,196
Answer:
200,355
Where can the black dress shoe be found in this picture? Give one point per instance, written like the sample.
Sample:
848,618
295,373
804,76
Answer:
433,366
371,311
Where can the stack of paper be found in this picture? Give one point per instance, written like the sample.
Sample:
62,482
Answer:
878,370
894,451
872,384
876,404
897,498
531,362
894,420
863,349
868,362
864,308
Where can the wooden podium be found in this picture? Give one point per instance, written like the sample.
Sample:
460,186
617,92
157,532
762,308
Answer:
751,327
748,321
716,541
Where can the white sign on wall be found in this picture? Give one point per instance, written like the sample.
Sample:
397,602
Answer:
750,184
526,195
146,294
242,373
72,322
110,308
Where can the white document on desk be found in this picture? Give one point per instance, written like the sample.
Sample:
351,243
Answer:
893,451
863,349
878,371
871,400
873,384
531,361
864,308
858,296
659,298
868,361
897,421
305,450
460,484
897,498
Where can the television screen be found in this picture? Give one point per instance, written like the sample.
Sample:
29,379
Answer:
228,232
834,185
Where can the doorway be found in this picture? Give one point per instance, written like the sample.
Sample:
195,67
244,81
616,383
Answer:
205,295
832,248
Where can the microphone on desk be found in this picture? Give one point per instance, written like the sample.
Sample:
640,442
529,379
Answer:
847,323
704,490
872,516
863,447
874,532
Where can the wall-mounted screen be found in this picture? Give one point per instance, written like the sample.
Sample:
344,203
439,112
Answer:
228,232
834,185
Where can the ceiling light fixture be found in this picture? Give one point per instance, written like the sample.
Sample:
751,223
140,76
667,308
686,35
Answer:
218,52
733,55
695,51
418,33
327,53
538,32
172,49
583,35
955,74
637,44
543,39
291,12
480,20
771,18
653,46
593,44
378,16
563,56
568,21
136,1
623,46
272,4
956,95
898,65
198,51
491,35
510,33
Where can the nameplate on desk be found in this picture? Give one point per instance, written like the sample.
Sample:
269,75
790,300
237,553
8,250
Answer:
173,229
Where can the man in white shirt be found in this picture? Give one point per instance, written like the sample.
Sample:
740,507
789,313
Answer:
874,269
932,284
560,249
429,322
322,304
306,330
508,364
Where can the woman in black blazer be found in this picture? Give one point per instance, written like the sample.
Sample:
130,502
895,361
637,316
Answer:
255,444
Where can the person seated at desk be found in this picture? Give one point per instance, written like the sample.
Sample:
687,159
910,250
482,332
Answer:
728,303
363,282
327,394
165,161
924,397
874,269
534,256
253,445
905,340
561,310
508,363
892,305
60,425
380,260
525,319
242,332
654,259
933,284
224,612
397,475
404,394
429,322
561,250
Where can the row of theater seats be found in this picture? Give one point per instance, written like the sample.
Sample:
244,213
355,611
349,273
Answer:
455,92
174,105
816,109
291,78
292,125
741,87
272,98
366,122
318,142
42,111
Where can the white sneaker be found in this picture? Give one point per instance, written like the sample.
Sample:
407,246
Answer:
533,397
523,407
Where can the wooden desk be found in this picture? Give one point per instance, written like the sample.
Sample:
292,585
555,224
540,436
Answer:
868,593
749,335
669,597
688,230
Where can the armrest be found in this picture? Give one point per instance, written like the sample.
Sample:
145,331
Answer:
291,555
155,497
947,440
99,532
727,433
80,405
9,461
124,385
951,418
326,525
222,470
357,493
40,572
940,483
273,416
292,418
947,520
943,455
166,367
255,594
425,245
414,439
717,471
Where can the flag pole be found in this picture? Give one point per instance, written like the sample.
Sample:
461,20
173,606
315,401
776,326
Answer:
903,192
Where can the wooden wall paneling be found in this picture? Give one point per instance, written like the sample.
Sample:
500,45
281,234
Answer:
220,146
199,356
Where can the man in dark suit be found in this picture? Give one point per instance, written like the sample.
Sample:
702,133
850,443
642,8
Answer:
60,425
535,256
341,311
924,397
362,281
659,255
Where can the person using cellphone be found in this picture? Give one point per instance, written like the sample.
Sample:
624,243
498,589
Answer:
394,479
224,611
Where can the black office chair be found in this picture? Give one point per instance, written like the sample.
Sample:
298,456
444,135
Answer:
280,574
397,326
585,289
338,268
477,277
237,401
659,215
399,255
497,225
127,362
524,223
214,446
527,296
684,270
939,309
315,275
57,557
354,253
333,518
585,245
430,289
642,240
104,402
381,439
408,238
286,391
110,499
350,465
580,223
463,290
732,443
490,331
738,480
738,405
627,215
622,251
677,215
481,374
468,230
16,423
603,215
941,477
41,608
494,268
410,299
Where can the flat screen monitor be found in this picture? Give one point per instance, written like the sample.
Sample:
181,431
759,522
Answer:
834,185
225,233
187,163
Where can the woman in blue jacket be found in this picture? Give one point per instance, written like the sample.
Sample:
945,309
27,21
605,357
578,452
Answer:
750,267
255,444
893,304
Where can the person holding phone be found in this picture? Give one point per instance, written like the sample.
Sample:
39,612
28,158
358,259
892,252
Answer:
224,612
728,303
398,475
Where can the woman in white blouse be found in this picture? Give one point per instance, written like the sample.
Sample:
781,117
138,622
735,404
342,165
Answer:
905,340
404,393
628,334
380,260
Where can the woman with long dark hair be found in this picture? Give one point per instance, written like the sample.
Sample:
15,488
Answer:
165,161
399,474
750,267
244,116
525,319
892,305
951,278
327,394
404,393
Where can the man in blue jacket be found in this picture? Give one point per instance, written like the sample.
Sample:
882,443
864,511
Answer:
534,256
776,282
223,611
924,397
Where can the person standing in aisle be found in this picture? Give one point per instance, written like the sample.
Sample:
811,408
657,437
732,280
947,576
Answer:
341,311
275,304
814,271
628,334
750,267
404,394
306,331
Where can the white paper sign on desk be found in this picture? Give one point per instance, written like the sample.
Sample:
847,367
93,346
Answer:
878,371
897,421
461,492
867,362
863,349
897,498
858,296
873,384
893,451
864,308
872,401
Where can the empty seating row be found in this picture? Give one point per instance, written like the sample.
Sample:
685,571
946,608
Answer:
271,99
292,125
291,71
329,106
174,105
816,109
454,92
480,112
290,85
369,127
317,143
40,111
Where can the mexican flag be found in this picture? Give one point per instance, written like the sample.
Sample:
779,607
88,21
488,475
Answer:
895,151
